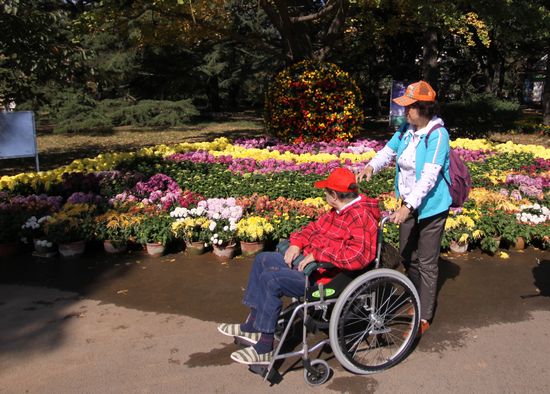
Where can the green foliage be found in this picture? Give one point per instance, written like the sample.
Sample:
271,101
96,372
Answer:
81,113
36,47
478,114
285,225
502,163
214,180
382,183
312,101
151,113
154,228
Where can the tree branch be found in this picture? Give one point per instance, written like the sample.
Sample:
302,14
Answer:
329,6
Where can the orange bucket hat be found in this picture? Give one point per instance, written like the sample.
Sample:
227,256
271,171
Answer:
418,91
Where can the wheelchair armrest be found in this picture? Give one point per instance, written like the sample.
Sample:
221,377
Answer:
314,266
325,265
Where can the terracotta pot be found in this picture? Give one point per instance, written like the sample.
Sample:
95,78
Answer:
252,248
458,248
195,248
115,246
8,249
519,244
72,249
155,249
224,251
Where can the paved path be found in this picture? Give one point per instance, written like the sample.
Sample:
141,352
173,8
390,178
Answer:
491,335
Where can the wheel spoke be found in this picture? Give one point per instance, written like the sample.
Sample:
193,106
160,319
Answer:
374,322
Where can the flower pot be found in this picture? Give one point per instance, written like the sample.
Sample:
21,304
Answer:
155,249
115,246
224,251
458,248
195,248
252,248
41,249
8,249
519,244
72,249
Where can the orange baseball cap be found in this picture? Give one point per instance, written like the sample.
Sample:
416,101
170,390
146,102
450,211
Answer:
418,91
341,180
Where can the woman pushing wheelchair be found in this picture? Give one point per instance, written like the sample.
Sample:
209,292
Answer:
421,152
345,237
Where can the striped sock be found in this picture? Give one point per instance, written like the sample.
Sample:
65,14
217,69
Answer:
265,344
248,326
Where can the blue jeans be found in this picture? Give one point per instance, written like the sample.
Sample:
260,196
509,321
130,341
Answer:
269,280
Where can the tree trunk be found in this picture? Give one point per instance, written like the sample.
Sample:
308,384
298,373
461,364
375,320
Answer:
500,81
546,94
300,32
430,71
213,93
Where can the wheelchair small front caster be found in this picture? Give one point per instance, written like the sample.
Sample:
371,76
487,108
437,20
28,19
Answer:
318,373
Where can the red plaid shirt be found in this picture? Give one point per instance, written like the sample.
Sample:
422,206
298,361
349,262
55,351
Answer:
346,239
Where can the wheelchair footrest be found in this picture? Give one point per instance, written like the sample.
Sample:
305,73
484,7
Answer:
274,376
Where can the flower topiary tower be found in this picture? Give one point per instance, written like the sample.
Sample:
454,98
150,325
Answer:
312,101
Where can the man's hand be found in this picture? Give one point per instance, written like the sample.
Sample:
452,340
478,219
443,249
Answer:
365,173
400,215
291,253
308,259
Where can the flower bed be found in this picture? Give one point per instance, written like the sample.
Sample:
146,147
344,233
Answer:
267,186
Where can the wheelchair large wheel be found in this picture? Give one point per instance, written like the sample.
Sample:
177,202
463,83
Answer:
374,322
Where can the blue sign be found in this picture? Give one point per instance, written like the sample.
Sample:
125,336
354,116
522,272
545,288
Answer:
397,112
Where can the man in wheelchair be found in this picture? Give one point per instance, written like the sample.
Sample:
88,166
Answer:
345,237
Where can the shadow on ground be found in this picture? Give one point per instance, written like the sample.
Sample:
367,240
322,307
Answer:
476,290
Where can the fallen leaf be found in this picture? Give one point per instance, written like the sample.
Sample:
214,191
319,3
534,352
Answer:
125,291
504,255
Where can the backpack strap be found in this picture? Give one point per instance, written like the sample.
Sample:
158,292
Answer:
402,129
436,126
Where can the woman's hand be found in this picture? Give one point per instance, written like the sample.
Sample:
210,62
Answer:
365,173
400,215
291,253
308,259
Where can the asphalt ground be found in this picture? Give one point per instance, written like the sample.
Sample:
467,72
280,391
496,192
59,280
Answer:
134,324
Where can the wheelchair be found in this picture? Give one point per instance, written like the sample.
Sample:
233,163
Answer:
372,317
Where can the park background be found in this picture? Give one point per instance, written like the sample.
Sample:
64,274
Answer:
320,72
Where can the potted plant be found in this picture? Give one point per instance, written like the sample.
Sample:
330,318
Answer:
491,225
194,232
114,228
10,228
33,231
191,225
70,228
224,213
222,237
252,233
154,231
459,230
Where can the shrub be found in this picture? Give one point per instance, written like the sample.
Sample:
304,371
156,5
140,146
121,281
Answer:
153,113
312,101
80,113
480,114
